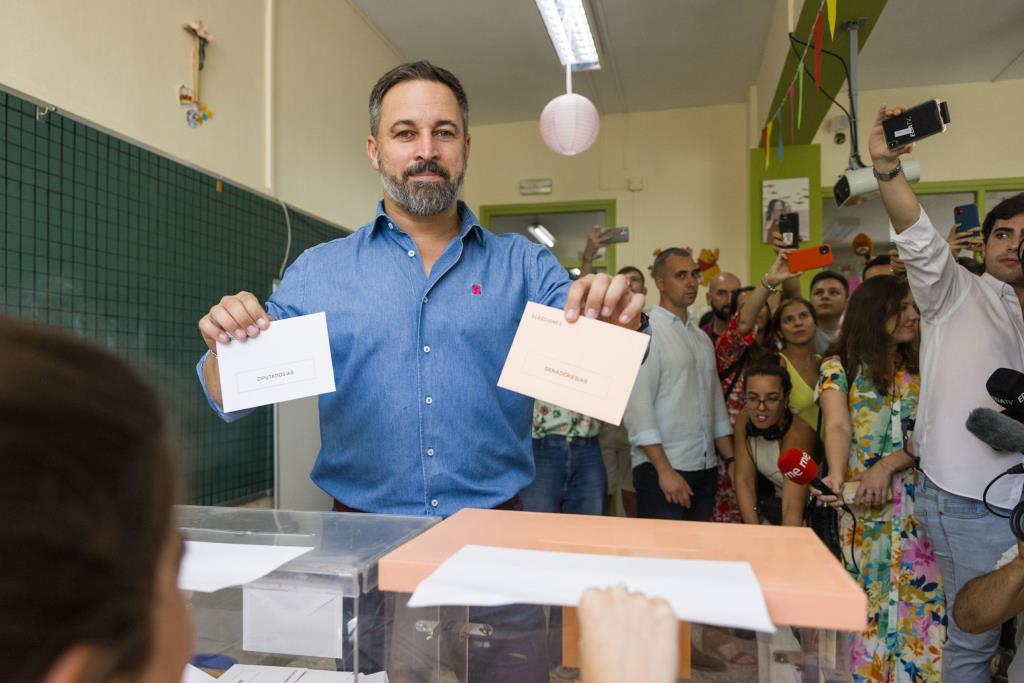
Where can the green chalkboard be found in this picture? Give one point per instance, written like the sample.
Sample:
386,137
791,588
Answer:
129,248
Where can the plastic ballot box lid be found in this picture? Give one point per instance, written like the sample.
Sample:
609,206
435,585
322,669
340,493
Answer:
803,583
346,546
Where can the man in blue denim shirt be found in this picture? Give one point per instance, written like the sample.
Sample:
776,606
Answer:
422,304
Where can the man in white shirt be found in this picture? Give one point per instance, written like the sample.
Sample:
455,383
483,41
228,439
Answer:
970,326
676,415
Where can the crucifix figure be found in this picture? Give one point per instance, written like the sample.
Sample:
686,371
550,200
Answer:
201,36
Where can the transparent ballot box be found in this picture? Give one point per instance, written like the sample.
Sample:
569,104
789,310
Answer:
321,611
810,598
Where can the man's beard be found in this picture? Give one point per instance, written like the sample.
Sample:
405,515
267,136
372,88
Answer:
721,313
422,198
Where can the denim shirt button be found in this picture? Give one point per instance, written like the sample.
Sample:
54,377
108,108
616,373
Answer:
430,452
428,400
434,503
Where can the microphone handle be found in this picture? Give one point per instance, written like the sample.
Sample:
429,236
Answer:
827,490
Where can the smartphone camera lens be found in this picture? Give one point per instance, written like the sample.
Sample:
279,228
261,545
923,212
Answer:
822,250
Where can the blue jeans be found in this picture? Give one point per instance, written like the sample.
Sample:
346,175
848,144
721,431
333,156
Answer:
570,477
968,540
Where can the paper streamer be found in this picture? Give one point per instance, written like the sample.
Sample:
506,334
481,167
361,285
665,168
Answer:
791,96
800,94
819,37
778,119
831,5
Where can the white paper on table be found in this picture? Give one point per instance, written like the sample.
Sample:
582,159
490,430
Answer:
251,673
193,675
699,591
292,622
291,359
209,567
587,366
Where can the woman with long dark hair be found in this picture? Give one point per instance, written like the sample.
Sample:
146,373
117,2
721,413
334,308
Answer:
868,393
88,589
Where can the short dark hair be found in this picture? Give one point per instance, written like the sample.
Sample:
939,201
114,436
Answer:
85,498
972,265
665,255
831,275
1004,210
416,71
881,260
632,269
770,367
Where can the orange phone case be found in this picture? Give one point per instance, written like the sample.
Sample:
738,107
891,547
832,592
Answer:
809,258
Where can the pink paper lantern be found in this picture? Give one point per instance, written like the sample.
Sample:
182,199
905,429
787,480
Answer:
569,124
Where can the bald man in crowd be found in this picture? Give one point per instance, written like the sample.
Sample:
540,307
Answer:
718,297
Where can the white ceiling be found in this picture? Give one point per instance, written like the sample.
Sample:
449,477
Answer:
664,54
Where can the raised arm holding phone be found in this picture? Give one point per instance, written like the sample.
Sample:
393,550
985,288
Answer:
970,326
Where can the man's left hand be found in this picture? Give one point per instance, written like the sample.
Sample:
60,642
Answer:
604,298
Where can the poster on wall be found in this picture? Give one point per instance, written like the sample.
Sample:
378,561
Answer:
781,196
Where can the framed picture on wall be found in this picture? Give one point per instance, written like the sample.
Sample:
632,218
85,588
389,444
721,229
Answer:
781,196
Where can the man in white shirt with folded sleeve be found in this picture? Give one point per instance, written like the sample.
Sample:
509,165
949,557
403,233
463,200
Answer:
970,326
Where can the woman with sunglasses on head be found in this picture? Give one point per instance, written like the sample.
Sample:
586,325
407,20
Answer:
88,591
868,393
764,429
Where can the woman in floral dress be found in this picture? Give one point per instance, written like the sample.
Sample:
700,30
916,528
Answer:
868,394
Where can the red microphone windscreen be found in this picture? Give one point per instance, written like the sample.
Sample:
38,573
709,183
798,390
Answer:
797,466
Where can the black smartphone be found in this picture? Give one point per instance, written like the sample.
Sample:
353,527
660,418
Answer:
926,119
966,217
616,235
789,228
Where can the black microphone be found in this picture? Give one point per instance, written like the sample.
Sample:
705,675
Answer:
1006,387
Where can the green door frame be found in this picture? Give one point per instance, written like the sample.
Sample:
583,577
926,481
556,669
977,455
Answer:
486,212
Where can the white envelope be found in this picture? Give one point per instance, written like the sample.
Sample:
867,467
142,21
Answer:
588,366
253,673
291,359
292,622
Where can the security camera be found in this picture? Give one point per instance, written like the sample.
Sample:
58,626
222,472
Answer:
859,184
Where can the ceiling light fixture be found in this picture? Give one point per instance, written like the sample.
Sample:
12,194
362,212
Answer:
542,235
567,25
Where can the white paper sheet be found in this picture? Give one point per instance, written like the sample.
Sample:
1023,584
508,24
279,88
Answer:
209,567
699,591
291,359
251,673
193,675
292,622
587,366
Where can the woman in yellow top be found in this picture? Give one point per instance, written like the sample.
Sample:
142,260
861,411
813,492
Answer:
791,331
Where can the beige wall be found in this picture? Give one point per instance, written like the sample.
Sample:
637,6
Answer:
692,163
983,139
118,64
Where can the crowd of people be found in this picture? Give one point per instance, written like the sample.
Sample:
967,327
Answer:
875,384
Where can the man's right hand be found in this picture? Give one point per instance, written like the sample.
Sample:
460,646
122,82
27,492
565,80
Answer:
237,316
883,158
674,486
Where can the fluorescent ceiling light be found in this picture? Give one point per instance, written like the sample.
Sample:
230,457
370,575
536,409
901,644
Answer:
567,24
542,235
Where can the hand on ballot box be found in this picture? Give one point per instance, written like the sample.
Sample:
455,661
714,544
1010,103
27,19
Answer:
627,637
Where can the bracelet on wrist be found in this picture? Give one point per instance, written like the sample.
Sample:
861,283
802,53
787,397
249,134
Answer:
771,288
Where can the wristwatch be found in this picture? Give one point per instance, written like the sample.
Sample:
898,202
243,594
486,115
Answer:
886,177
645,322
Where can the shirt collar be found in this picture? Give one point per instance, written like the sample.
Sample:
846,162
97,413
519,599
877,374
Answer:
665,313
469,224
1004,290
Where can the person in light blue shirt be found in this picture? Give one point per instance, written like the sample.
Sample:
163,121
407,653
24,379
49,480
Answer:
422,304
676,415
